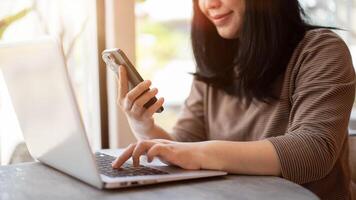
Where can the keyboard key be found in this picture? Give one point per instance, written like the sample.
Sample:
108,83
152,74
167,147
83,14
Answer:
104,165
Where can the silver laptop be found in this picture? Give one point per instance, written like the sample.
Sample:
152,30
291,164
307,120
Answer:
47,111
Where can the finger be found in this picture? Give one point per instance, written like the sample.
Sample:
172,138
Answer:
157,150
123,84
138,106
163,141
144,98
135,93
124,156
141,148
152,109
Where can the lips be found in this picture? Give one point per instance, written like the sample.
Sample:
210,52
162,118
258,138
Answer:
220,19
220,16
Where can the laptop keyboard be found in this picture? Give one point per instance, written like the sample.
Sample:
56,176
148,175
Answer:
104,165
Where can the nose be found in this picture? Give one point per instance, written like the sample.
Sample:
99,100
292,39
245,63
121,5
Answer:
211,4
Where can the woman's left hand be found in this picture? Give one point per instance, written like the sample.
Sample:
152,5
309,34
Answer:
184,155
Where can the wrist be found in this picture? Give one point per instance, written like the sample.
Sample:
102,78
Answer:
141,130
158,133
152,131
208,157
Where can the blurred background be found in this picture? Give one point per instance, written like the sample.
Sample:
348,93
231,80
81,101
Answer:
159,44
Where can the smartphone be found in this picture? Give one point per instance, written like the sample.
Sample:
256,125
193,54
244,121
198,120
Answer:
115,57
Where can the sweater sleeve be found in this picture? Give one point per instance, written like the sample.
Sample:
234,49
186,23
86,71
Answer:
322,96
190,126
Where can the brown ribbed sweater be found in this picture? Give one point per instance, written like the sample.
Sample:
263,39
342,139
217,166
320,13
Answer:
308,126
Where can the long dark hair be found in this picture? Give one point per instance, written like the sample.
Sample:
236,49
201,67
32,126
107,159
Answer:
248,66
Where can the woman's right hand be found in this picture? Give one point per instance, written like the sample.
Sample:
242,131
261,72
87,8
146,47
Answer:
132,103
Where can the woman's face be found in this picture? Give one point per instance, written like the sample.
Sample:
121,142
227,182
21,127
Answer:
226,15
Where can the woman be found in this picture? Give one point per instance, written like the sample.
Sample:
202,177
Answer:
272,95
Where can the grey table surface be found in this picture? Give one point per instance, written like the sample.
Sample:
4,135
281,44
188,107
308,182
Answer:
39,182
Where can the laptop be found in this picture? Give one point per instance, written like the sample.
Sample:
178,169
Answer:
41,93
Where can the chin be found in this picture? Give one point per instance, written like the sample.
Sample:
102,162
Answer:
228,34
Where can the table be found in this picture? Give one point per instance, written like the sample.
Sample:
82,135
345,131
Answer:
39,182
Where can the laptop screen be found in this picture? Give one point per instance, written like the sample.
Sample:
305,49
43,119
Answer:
40,91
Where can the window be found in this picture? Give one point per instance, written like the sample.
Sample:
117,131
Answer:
74,23
164,53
